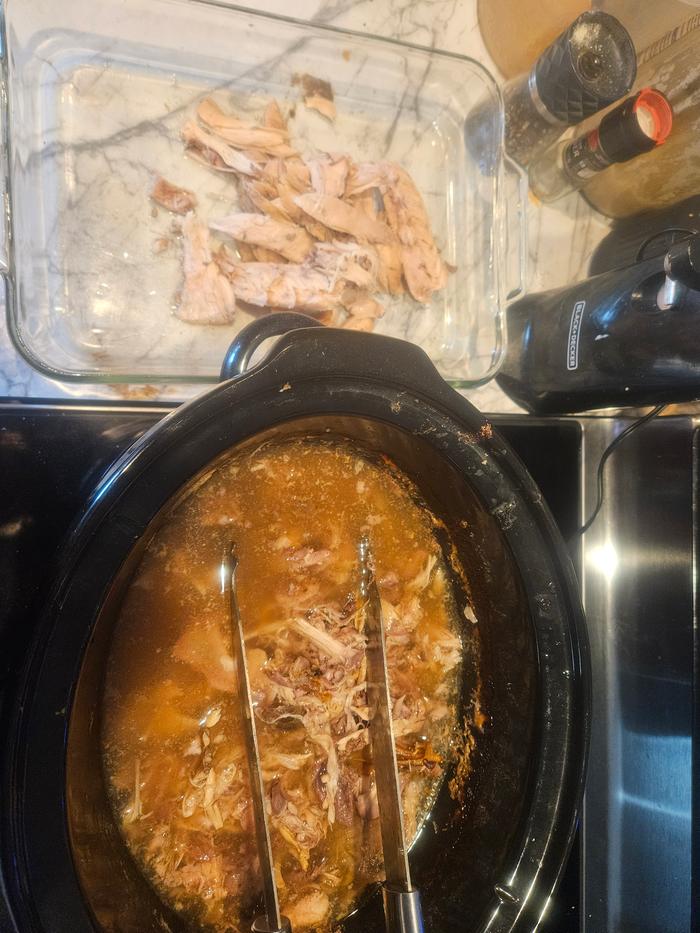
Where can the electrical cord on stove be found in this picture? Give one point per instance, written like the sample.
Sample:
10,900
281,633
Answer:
612,446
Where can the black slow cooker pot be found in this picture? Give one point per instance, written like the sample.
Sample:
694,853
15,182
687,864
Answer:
485,861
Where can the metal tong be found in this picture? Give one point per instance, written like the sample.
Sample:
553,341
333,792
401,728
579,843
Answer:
272,921
402,906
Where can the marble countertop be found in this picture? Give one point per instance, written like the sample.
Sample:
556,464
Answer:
560,237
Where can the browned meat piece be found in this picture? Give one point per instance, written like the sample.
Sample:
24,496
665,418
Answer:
274,194
212,151
423,269
262,196
359,323
328,174
256,253
292,172
301,828
390,272
350,261
245,252
366,802
273,116
345,797
364,307
344,217
259,195
277,798
334,276
280,285
390,268
317,94
178,200
317,230
160,244
244,135
261,254
321,104
368,200
207,296
290,241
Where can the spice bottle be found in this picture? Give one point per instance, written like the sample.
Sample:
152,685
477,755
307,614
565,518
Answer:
637,125
671,63
591,65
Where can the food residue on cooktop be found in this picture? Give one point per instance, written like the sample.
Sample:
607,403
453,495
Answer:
172,747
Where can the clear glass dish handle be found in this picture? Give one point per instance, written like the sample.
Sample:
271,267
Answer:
516,200
4,159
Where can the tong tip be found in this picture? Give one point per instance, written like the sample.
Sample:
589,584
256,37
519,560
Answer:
366,568
229,565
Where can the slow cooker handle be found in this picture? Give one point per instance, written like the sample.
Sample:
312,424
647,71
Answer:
239,354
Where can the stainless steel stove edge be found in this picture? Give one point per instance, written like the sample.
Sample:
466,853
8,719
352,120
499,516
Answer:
637,570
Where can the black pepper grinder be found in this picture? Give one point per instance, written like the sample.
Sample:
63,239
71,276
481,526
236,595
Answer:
591,65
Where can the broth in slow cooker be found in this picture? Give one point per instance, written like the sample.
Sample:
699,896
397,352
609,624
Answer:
172,748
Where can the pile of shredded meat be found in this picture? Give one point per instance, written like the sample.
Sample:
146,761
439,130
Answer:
172,739
317,233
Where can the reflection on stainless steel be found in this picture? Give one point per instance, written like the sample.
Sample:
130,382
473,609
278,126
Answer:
402,910
637,577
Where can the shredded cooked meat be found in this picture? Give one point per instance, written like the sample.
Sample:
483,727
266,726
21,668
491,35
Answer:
281,285
215,152
328,174
346,230
207,296
286,239
423,269
172,742
324,282
345,218
273,116
178,200
317,93
242,134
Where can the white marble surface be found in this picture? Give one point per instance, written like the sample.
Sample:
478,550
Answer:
560,238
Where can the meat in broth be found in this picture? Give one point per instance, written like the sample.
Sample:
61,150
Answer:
296,510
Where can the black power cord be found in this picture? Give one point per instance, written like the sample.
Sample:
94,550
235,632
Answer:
610,449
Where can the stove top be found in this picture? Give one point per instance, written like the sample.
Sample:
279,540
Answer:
52,456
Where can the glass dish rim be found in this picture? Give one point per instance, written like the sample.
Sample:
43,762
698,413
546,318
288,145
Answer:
104,376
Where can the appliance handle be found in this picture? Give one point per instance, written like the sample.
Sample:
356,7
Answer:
308,349
240,352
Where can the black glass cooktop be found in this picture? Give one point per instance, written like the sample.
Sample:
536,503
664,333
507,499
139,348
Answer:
52,456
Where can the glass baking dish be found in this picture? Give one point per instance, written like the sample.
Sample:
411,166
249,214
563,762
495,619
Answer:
96,95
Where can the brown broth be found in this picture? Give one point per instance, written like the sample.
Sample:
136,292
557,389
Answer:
174,760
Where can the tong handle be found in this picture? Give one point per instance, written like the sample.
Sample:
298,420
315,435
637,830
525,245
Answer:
402,910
